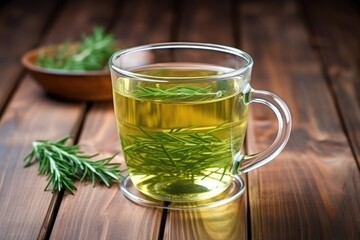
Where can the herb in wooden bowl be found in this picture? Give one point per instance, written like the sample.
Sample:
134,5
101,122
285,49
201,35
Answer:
90,54
75,71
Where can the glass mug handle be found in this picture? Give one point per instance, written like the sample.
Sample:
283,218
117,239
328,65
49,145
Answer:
245,163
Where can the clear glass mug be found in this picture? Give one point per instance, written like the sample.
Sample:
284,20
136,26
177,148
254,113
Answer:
181,112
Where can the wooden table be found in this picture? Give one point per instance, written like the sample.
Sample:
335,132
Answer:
307,53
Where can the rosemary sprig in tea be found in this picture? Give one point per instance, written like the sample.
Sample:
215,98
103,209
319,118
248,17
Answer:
187,152
63,164
91,53
178,93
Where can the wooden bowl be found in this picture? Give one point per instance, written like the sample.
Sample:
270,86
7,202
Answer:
69,85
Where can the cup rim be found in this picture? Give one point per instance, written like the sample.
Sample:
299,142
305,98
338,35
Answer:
182,45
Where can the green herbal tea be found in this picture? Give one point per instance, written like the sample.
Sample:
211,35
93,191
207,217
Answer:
180,138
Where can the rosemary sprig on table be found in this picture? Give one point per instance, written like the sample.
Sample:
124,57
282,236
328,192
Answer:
91,53
63,164
178,93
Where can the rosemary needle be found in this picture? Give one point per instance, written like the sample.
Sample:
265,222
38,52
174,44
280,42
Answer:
63,164
90,54
181,151
177,93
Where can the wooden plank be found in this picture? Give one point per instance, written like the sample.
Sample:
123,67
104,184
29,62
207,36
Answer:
19,20
103,213
311,190
144,22
27,212
29,117
208,21
335,29
79,17
22,198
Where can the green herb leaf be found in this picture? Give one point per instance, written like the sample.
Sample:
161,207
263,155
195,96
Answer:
178,93
182,151
63,164
91,54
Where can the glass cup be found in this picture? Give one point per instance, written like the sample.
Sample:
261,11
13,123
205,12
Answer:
182,111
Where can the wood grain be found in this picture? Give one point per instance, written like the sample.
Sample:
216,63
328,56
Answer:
19,20
335,33
311,190
306,52
42,119
75,19
103,213
24,204
143,22
207,21
106,213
